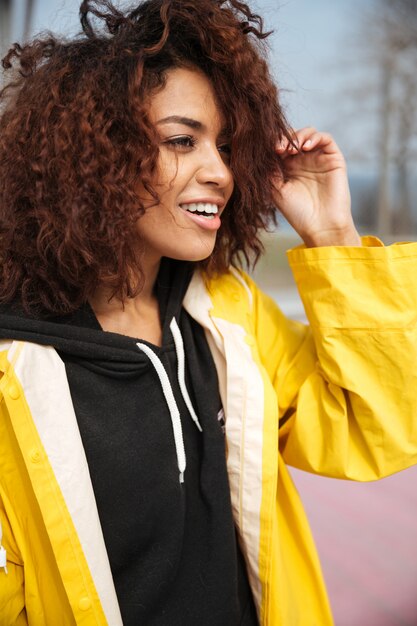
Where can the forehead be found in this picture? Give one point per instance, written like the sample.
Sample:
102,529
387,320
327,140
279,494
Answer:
187,93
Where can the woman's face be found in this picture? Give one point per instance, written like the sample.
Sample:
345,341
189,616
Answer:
194,181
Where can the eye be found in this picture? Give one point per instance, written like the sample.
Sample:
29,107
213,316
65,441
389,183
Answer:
225,150
181,141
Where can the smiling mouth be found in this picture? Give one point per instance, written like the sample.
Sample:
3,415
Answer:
204,209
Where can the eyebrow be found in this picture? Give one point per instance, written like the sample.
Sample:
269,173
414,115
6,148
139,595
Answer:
177,119
191,123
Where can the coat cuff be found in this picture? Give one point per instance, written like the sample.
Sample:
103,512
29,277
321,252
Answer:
372,286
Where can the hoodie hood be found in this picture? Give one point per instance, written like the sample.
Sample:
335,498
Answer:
80,335
90,353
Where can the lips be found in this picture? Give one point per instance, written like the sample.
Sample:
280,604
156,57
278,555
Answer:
205,213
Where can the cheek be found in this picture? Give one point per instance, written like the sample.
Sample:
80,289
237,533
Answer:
168,175
156,220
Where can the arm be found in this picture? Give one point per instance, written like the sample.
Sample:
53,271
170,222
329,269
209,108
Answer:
346,386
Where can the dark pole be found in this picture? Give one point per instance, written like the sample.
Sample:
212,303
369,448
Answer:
28,19
384,209
5,24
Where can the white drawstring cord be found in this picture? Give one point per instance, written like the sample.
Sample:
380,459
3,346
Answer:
3,554
172,406
179,347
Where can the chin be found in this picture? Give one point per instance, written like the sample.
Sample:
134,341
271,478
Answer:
194,258
192,253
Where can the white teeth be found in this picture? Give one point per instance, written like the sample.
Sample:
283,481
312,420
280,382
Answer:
201,207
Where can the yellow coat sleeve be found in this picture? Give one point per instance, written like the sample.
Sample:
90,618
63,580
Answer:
347,385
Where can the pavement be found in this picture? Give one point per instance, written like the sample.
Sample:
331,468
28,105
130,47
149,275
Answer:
366,535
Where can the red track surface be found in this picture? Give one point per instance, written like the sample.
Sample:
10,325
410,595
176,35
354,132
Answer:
366,535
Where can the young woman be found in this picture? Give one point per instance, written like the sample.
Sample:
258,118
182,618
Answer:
151,394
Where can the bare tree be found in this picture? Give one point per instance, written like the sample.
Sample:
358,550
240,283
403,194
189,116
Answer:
380,83
394,35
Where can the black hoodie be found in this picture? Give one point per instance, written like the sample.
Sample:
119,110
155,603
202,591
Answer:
171,544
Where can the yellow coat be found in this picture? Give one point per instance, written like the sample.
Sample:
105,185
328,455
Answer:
337,398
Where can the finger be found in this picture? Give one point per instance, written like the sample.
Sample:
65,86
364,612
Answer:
319,140
310,140
287,147
301,136
282,145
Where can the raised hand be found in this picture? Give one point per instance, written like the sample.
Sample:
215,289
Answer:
315,199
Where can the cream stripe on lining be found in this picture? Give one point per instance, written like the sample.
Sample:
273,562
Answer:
42,375
242,413
244,433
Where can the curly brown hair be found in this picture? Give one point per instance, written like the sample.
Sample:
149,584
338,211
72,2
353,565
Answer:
75,140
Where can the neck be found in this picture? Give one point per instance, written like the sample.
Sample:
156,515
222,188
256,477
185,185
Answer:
136,317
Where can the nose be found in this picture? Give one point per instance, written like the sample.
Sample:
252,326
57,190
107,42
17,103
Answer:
213,168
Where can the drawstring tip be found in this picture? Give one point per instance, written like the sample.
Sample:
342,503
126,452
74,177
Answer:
181,477
199,427
3,559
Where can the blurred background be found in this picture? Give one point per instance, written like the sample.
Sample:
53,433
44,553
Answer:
348,67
